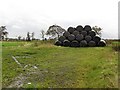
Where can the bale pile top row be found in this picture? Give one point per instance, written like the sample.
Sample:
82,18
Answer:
80,37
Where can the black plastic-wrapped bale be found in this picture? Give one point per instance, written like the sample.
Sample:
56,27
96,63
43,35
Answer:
66,43
92,44
71,37
79,37
66,34
84,33
61,38
101,43
58,43
96,39
88,38
92,33
83,43
87,28
79,28
75,44
71,30
75,33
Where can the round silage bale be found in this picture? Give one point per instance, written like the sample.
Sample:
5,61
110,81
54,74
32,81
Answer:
58,43
66,43
101,43
75,44
79,37
61,38
96,39
71,37
88,38
83,43
92,44
84,33
75,33
87,28
79,28
66,34
92,33
71,30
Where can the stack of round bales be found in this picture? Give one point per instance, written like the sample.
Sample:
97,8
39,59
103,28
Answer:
80,37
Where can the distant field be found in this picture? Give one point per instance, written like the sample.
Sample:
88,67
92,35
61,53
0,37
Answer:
46,65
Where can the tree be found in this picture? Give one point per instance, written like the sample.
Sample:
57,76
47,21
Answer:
19,37
33,34
97,30
55,30
42,33
28,36
3,33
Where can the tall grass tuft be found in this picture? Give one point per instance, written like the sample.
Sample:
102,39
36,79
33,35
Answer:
41,42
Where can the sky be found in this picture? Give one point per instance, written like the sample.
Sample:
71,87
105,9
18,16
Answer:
22,16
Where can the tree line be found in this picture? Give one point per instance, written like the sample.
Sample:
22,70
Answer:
54,32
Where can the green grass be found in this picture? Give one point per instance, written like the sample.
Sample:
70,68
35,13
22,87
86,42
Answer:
116,46
6,44
59,67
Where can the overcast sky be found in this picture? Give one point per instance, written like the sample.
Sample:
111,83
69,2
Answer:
21,16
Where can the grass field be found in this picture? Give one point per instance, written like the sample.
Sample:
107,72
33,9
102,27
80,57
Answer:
43,65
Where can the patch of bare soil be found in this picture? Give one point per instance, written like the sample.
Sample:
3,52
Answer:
20,80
